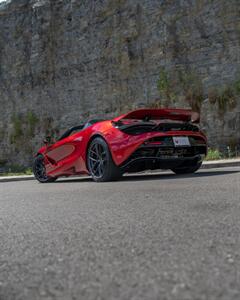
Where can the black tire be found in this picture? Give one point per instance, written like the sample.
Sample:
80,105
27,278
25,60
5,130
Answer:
100,163
187,170
39,170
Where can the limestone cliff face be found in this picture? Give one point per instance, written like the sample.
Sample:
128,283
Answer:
62,61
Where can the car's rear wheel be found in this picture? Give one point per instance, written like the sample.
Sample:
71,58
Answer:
187,170
100,163
39,170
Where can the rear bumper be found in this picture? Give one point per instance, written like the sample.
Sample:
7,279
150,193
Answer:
162,152
123,146
153,163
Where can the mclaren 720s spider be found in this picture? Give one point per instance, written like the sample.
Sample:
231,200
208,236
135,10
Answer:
144,139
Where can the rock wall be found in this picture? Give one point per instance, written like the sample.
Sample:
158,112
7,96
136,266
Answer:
66,60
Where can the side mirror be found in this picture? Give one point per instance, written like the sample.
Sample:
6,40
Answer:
47,141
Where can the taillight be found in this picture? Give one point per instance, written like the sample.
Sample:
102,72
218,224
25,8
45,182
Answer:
152,143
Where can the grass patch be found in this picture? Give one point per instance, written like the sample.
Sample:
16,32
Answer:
15,170
27,172
214,154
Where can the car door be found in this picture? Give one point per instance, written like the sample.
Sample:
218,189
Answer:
60,155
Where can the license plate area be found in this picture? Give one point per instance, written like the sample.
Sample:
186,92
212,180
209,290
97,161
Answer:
180,141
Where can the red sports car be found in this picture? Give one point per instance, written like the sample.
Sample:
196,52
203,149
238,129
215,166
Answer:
144,139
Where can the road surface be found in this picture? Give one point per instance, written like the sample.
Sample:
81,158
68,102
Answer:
145,237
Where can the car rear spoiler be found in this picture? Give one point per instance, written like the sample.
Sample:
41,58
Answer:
185,115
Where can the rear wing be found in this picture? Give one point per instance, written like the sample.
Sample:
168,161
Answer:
185,115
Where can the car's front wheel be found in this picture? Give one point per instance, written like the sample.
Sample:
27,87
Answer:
187,170
39,170
100,163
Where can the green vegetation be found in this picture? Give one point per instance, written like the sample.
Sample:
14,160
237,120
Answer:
186,84
193,89
190,86
214,154
233,143
23,128
225,98
17,129
25,172
165,87
236,86
164,83
231,152
14,170
32,121
213,95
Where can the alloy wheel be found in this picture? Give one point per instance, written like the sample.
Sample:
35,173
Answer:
40,170
97,160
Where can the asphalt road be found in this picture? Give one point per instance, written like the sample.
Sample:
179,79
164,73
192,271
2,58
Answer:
145,237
